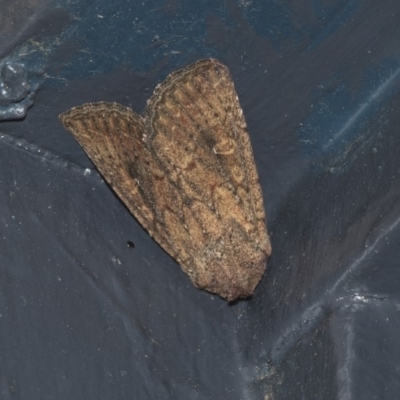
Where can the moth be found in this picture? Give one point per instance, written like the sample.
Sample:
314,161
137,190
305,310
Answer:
185,170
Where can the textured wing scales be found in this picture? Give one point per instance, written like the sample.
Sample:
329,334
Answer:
186,172
113,137
198,134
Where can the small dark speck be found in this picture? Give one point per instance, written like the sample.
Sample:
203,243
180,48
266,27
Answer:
130,244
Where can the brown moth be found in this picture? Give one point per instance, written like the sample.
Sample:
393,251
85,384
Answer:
186,171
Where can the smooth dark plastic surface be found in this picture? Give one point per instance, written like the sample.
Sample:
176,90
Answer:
86,315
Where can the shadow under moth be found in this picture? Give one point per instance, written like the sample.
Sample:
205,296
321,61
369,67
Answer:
185,170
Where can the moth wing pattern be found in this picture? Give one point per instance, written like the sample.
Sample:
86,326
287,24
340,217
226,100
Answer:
199,137
186,171
113,138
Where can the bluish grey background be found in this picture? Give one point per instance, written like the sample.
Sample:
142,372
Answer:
85,316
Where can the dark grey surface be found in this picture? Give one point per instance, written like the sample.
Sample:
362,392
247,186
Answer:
85,316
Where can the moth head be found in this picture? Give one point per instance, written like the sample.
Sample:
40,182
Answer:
232,269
